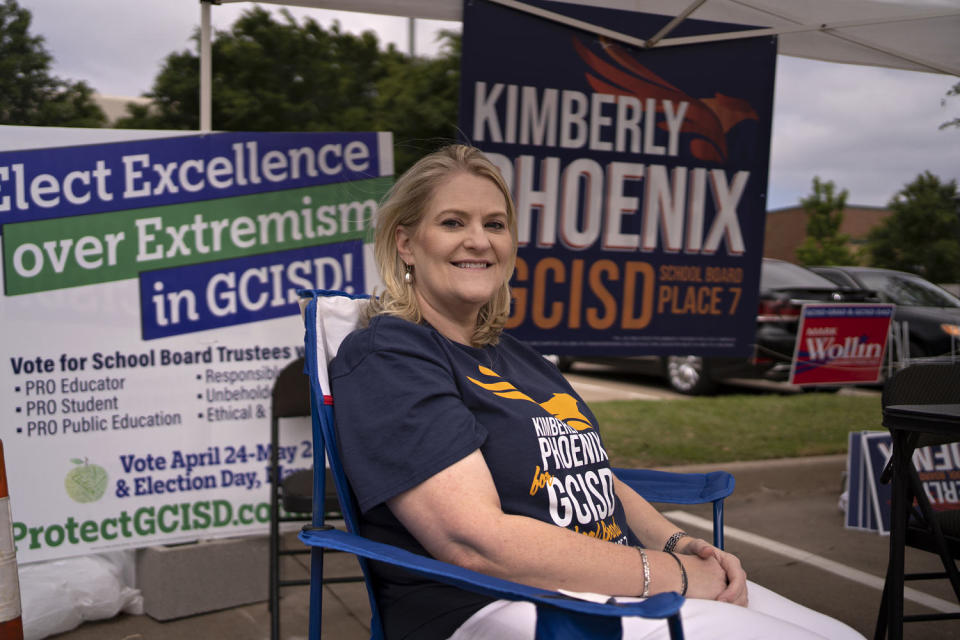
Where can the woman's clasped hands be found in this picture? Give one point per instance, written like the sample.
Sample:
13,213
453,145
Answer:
713,574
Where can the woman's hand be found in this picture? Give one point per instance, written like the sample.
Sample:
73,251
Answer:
735,589
706,579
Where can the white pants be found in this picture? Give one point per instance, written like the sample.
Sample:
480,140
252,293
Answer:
768,616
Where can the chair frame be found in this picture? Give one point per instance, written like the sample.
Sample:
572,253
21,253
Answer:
286,403
558,615
921,383
290,399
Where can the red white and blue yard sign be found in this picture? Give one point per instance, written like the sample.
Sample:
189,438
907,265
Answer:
841,343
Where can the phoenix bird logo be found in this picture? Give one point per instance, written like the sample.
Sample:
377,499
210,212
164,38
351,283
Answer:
561,406
707,119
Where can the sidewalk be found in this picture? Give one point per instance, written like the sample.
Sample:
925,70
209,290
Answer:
346,612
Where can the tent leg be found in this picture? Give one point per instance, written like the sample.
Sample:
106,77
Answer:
205,67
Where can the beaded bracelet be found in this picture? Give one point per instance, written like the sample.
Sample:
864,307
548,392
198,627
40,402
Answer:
646,573
673,540
683,574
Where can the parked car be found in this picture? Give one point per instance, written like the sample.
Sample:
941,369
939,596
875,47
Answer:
932,313
784,288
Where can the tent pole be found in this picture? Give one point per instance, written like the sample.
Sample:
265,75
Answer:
411,35
673,24
205,66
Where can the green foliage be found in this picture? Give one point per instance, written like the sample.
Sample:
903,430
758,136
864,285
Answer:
824,243
29,95
271,75
417,100
923,233
639,433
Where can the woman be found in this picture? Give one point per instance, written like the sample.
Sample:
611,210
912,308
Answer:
464,444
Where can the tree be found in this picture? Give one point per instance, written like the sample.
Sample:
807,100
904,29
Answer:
280,76
824,243
417,100
29,95
922,235
953,91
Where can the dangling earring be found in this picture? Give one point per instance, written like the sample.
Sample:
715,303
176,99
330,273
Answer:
408,275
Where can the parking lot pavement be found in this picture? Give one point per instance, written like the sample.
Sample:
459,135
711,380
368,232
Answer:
600,382
600,389
793,542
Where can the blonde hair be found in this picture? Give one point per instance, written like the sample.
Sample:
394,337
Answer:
404,205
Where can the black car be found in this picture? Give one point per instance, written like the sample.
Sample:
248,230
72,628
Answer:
932,313
784,288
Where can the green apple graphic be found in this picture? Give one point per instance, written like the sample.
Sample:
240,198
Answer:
86,482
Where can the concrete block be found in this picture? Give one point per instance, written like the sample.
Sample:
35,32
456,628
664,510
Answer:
184,580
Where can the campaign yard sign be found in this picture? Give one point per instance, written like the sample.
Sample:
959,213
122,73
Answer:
841,343
639,178
868,499
861,506
149,302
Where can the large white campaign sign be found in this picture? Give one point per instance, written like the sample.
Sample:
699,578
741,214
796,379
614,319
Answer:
149,301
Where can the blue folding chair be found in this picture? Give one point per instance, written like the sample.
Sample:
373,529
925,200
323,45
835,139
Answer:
329,316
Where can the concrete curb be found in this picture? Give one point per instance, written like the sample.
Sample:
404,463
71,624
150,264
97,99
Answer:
812,474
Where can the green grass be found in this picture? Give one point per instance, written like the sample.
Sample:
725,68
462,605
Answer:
732,427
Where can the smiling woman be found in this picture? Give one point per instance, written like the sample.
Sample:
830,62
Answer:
462,443
457,201
459,254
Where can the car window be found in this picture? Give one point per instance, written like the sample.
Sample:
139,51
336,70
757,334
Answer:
838,277
907,290
784,275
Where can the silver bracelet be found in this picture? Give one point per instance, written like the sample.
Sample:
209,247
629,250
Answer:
646,573
683,574
673,540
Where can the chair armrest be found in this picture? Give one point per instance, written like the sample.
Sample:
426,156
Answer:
677,488
659,606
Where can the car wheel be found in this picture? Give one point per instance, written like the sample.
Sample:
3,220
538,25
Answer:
689,375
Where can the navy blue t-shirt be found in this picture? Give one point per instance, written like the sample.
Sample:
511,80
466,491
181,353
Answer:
409,403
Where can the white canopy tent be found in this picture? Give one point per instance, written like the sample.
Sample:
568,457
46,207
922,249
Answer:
915,36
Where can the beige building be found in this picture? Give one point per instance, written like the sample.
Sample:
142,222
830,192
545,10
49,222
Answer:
115,107
787,228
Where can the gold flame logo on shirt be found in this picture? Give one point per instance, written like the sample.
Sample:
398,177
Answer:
561,406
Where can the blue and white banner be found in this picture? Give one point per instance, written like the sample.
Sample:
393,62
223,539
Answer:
149,303
639,178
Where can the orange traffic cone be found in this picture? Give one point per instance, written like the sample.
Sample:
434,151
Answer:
11,624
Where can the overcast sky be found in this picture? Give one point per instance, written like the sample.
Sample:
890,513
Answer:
869,130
